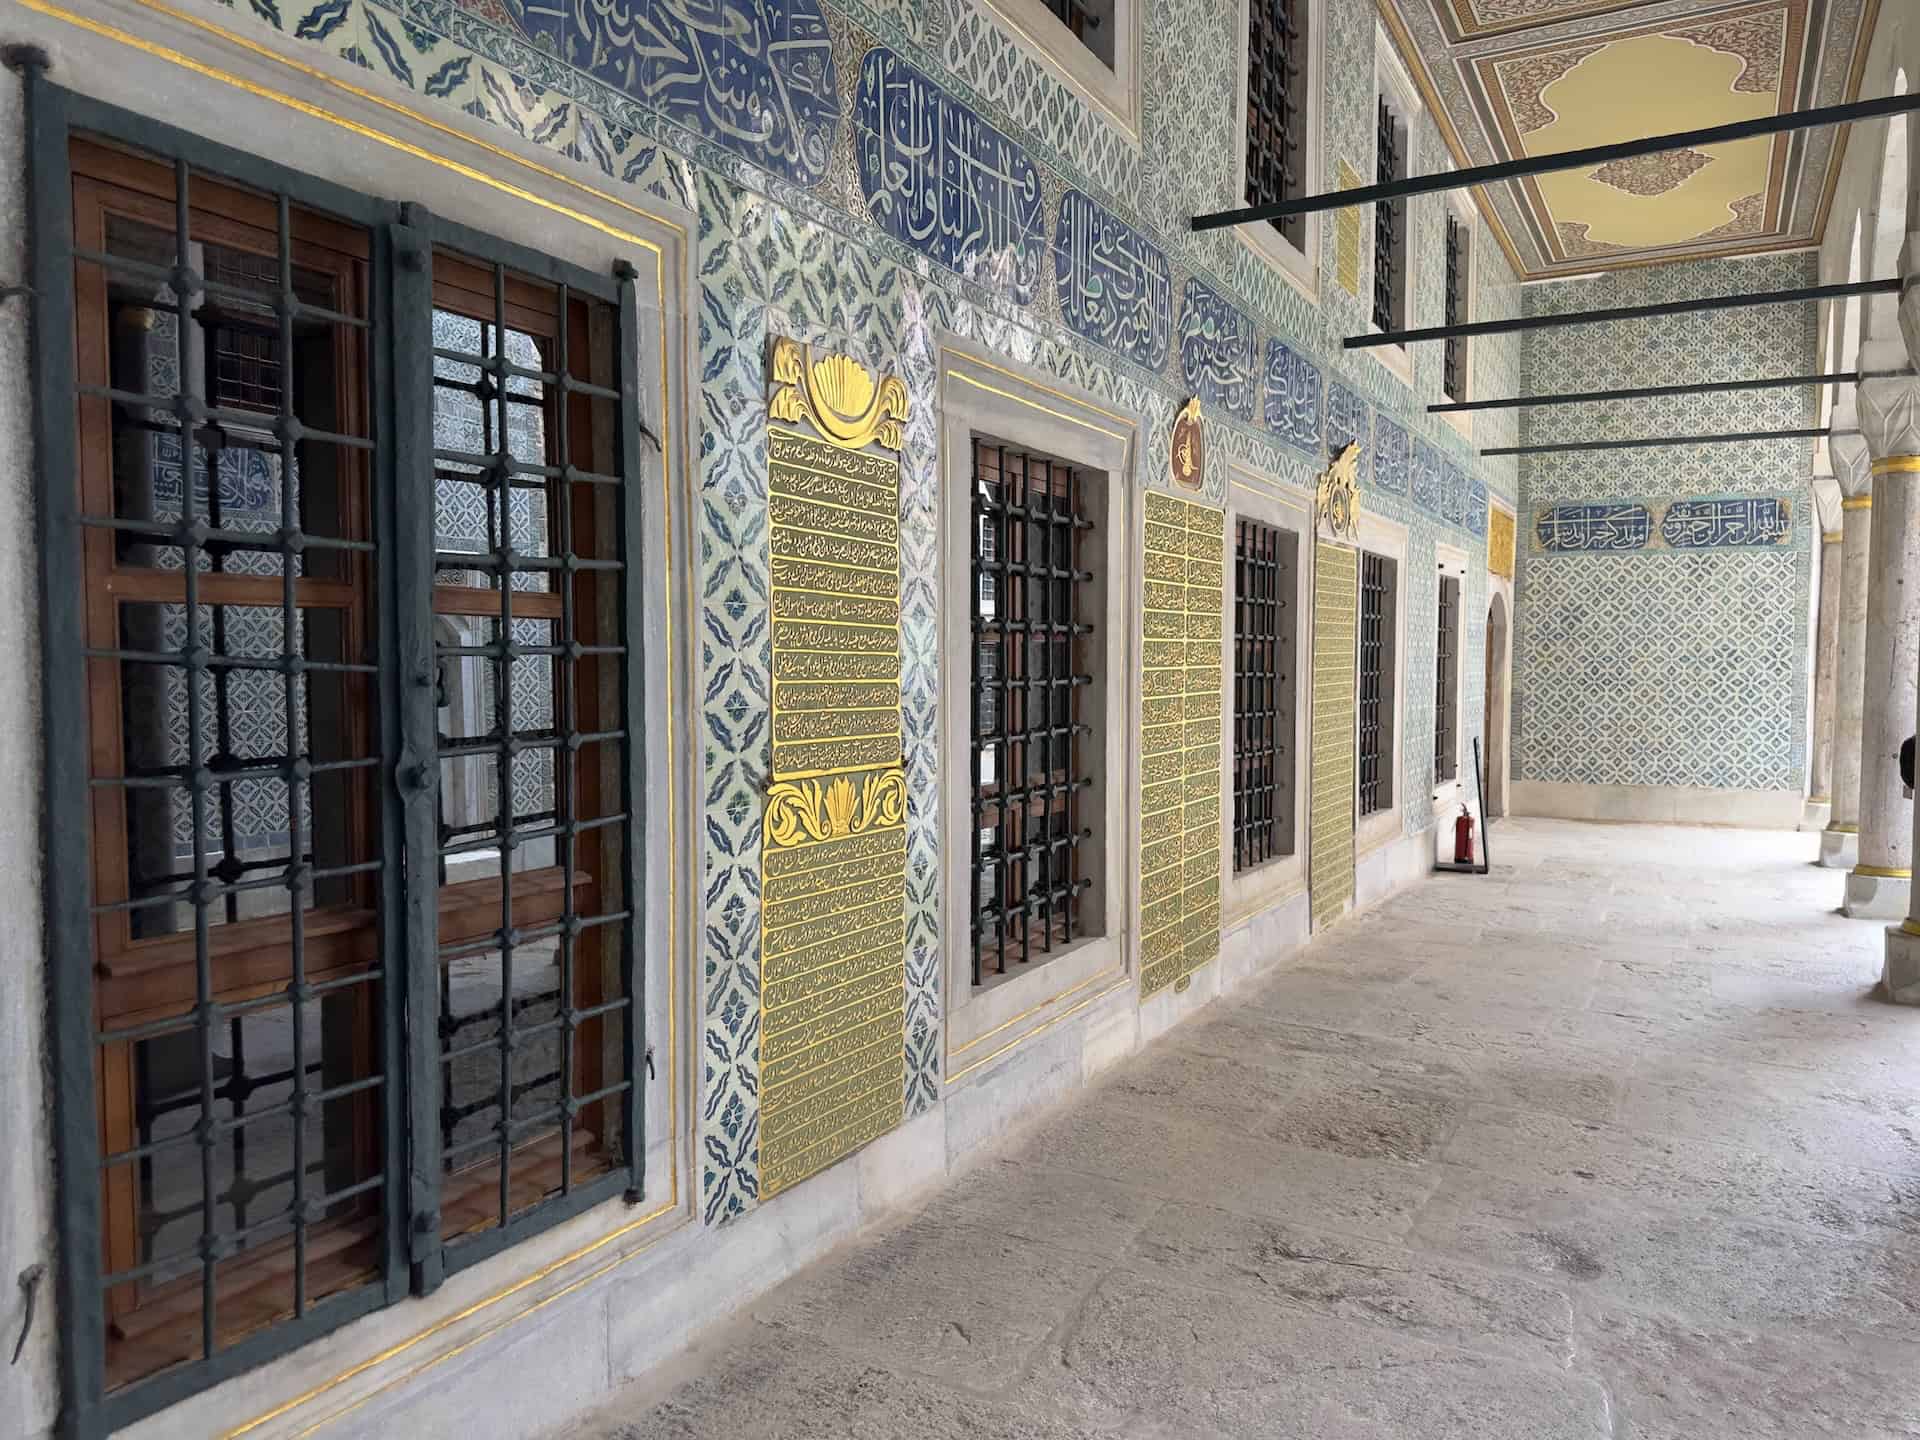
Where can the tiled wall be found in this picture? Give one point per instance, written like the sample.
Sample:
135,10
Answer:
1655,664
871,174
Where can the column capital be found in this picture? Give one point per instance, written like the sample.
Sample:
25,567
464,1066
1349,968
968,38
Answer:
1889,410
1852,465
1826,502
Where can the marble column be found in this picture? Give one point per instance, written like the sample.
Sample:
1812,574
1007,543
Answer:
1881,883
1839,842
1826,655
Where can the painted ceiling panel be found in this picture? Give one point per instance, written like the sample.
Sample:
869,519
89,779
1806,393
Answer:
1511,78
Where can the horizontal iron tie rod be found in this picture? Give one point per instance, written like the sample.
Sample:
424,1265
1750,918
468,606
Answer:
1645,392
1751,299
1559,160
1656,441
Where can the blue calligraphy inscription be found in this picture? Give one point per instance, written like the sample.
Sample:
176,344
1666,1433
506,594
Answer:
1293,397
249,479
1593,527
1392,456
1716,524
1426,477
944,181
1477,506
1216,350
1453,491
1347,420
753,75
1114,287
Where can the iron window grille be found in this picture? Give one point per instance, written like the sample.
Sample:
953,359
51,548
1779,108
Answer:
1376,643
1446,763
1389,222
245,458
1263,693
1032,642
1277,77
1090,24
1454,372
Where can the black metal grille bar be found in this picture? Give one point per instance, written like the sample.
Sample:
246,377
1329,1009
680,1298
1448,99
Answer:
1374,738
1075,16
1028,763
1277,50
1446,761
1387,261
1262,729
1555,161
1454,373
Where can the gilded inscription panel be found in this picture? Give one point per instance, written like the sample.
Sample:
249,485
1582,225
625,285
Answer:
833,912
1336,612
1180,741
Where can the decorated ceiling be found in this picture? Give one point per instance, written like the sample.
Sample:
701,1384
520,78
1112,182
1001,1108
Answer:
1512,78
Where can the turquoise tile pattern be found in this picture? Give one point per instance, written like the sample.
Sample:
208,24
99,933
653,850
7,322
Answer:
1036,225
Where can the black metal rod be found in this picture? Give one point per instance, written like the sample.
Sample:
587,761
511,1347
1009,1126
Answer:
1751,299
1806,434
1645,392
1563,160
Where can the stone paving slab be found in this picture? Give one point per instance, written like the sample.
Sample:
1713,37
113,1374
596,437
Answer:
1613,1144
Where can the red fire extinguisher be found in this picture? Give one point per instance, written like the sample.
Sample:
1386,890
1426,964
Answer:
1463,838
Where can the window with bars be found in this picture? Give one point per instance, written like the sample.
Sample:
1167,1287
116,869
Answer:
1376,702
307,469
1277,81
1264,627
1459,275
1389,219
1446,683
1091,21
1033,667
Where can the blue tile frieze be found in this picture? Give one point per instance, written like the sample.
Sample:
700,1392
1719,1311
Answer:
1216,350
1426,477
1115,288
1723,524
1292,401
942,180
1590,528
1347,420
755,76
1392,456
1476,505
1453,493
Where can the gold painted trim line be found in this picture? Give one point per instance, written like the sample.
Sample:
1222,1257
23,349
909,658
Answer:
1033,1010
1036,405
1832,537
1897,465
1882,872
1857,502
1843,829
1819,799
1911,927
954,1076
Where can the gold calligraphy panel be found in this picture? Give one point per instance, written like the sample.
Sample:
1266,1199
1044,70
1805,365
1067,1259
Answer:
833,888
1500,542
1180,740
1336,614
1346,236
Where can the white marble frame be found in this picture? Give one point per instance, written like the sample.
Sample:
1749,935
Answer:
985,395
1301,268
1388,538
1115,91
1451,561
1391,80
1257,497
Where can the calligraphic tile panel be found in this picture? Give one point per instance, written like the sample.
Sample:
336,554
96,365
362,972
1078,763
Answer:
1292,399
1603,527
1427,482
1114,287
833,908
1392,456
1216,350
1349,418
1180,754
1476,517
1453,493
939,178
1707,523
1719,524
1336,618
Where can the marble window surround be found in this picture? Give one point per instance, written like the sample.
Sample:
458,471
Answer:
1247,893
1113,90
1392,82
1388,538
1300,267
983,396
1451,560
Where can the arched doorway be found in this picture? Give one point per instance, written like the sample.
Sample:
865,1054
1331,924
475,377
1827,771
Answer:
1494,723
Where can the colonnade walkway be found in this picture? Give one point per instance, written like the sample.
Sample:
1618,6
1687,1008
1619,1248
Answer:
1611,1143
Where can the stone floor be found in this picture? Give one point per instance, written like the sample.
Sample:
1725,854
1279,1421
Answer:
1612,1143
